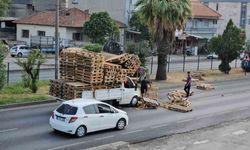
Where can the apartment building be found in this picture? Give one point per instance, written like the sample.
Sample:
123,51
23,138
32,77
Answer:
237,10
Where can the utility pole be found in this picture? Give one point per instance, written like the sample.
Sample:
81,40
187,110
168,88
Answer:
56,39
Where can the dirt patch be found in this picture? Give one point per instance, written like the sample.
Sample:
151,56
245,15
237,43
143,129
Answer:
207,75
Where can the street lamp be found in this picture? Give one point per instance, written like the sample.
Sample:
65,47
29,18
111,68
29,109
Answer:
56,39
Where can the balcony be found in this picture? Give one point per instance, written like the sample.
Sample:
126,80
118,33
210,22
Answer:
201,30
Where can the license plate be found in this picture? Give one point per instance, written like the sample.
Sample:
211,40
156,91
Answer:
60,119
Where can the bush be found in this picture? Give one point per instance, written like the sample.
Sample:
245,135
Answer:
224,67
247,68
94,47
3,53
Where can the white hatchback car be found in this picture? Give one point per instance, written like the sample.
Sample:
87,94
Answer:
83,116
20,51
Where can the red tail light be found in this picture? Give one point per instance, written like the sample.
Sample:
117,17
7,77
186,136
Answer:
52,115
72,119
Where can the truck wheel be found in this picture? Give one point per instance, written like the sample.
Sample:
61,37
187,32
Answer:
134,101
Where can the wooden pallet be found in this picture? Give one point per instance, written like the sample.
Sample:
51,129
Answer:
172,106
120,59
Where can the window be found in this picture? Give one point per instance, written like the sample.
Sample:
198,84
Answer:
89,109
194,23
67,109
77,36
25,33
104,108
214,21
243,14
41,33
206,23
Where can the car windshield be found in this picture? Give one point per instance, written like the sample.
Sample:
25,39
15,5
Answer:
67,109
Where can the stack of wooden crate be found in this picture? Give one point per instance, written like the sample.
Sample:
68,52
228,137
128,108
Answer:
89,68
56,88
73,90
110,72
68,64
84,70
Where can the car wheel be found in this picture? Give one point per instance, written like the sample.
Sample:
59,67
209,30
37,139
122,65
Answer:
134,101
80,131
19,55
12,55
121,124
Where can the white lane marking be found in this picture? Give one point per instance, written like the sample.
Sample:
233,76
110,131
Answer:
7,130
181,121
239,132
200,142
159,126
106,137
132,132
65,146
180,148
243,108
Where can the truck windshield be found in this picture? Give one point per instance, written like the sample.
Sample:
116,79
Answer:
67,109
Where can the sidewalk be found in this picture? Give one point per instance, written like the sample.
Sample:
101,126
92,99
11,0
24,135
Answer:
228,136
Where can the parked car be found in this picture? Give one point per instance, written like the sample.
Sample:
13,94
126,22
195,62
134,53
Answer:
20,51
80,116
212,56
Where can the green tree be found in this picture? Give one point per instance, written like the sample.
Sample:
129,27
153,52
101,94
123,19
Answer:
31,67
4,4
163,17
137,23
139,49
100,27
3,53
228,46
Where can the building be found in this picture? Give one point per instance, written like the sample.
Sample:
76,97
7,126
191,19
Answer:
21,8
203,21
237,10
7,29
118,9
42,24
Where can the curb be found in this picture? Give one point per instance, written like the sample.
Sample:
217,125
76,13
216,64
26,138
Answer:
26,104
121,145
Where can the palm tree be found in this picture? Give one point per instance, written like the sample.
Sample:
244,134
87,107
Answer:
163,17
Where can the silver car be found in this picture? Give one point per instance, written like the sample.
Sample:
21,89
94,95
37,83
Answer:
20,51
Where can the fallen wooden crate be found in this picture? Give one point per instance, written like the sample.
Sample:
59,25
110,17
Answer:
147,103
173,106
204,86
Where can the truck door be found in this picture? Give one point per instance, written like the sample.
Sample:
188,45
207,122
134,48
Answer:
128,91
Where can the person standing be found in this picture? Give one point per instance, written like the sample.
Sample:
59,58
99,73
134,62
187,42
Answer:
188,84
144,86
246,59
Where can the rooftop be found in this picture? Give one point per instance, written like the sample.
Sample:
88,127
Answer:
202,11
72,17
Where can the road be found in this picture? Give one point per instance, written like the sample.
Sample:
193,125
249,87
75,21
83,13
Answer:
48,72
28,128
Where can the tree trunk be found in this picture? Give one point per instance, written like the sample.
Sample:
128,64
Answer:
162,67
33,85
164,47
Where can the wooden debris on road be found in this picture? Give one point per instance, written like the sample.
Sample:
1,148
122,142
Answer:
147,103
205,86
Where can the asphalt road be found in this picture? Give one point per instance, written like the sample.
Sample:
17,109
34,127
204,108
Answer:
28,128
48,72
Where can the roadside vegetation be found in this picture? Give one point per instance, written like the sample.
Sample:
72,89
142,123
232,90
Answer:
17,93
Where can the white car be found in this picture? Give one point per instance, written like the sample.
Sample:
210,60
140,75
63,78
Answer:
80,116
212,56
20,51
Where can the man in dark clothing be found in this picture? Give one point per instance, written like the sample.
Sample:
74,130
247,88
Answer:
144,86
188,84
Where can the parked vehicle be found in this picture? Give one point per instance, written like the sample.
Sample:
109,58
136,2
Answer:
20,51
84,116
212,56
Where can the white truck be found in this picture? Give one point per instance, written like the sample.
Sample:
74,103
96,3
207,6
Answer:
126,94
